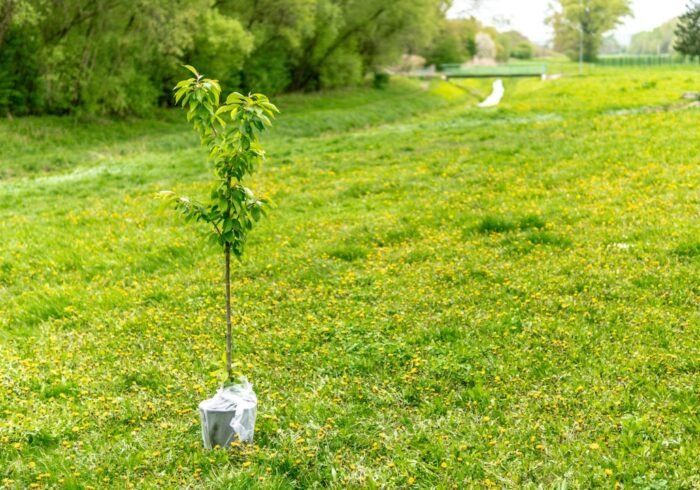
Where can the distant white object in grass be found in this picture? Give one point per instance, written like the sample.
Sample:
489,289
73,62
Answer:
621,246
495,98
554,76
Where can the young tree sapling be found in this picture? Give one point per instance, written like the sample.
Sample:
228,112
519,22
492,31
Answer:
230,132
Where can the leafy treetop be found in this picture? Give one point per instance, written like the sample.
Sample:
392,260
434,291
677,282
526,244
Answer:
230,132
583,23
688,31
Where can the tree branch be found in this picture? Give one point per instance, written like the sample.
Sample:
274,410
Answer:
80,17
339,41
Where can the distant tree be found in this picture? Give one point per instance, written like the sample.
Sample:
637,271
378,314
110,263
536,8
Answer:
221,45
688,31
656,41
485,46
516,45
21,88
455,42
349,39
611,45
500,44
446,48
587,19
468,29
21,91
113,56
280,28
523,51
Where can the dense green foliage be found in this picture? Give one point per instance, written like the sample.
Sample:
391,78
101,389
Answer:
230,133
123,56
447,296
688,31
583,23
455,42
20,92
515,45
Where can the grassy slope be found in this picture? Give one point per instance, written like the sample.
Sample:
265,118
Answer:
444,296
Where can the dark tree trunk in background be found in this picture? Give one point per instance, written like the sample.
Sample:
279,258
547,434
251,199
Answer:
6,12
309,69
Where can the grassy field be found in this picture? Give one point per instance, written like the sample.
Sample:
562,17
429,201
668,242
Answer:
444,297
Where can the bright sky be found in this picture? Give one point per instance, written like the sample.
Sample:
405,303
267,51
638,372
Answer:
527,16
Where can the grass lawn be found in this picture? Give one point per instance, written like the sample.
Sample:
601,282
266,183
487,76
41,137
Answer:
444,296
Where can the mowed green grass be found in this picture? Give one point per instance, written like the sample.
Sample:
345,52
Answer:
444,297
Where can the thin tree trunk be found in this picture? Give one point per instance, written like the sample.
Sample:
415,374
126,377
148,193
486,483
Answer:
83,67
227,252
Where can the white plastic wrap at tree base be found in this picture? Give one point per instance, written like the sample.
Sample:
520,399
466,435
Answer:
229,413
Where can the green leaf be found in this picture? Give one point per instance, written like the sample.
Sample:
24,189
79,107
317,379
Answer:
224,109
180,93
270,107
166,195
184,83
192,69
235,97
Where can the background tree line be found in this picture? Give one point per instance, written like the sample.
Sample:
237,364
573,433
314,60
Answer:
580,27
124,56
458,39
